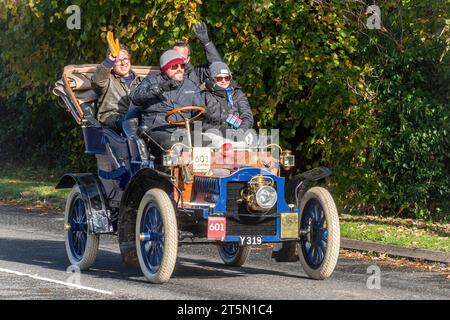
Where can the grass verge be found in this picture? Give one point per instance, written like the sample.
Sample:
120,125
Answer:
34,186
403,232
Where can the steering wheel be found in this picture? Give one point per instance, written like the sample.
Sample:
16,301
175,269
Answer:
180,112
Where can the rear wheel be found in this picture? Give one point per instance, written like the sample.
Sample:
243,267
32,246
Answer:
320,238
81,246
156,236
233,254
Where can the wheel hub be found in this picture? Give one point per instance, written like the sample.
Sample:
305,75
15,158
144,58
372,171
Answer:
314,235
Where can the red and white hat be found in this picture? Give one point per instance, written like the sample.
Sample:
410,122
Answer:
169,58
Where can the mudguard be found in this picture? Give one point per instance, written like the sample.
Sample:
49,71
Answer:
316,174
98,213
296,186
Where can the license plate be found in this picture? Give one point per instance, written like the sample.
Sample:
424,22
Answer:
217,227
250,240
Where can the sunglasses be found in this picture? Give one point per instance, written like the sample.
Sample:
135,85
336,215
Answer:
123,61
175,66
220,79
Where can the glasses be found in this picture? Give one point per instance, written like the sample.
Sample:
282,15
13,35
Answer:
178,65
123,61
220,79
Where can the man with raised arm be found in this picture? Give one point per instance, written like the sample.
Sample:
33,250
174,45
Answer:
113,81
198,74
162,92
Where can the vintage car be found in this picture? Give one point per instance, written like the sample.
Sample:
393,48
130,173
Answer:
234,198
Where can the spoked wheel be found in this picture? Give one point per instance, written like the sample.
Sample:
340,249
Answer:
81,247
233,254
156,236
320,233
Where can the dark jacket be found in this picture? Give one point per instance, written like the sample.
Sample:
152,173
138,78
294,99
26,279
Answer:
218,108
155,104
197,74
200,73
113,94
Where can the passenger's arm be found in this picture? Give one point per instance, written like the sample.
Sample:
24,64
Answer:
100,79
198,100
148,89
245,112
212,54
213,110
201,32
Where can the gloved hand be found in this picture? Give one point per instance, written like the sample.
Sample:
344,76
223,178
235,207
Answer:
201,32
169,85
114,46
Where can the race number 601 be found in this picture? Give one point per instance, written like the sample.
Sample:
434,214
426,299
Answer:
217,228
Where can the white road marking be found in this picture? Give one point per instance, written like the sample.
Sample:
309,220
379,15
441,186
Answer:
71,285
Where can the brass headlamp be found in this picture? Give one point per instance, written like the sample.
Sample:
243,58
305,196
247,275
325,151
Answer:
259,194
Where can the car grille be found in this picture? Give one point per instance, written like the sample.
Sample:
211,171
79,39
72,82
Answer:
240,221
266,227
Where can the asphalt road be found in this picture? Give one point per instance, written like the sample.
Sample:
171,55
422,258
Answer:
33,265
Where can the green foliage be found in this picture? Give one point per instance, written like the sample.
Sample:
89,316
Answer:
410,71
371,104
36,45
30,133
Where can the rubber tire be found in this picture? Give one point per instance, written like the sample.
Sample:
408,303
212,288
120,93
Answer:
167,211
239,259
92,240
334,235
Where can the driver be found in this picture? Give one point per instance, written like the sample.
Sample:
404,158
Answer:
162,92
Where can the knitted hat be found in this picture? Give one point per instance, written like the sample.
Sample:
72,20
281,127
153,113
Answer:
169,58
218,68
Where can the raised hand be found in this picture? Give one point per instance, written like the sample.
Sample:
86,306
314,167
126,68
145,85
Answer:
201,32
114,46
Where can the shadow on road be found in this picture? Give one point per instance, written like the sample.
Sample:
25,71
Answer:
51,254
206,269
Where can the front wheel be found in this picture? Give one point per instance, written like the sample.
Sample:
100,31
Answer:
320,233
233,254
81,246
156,236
